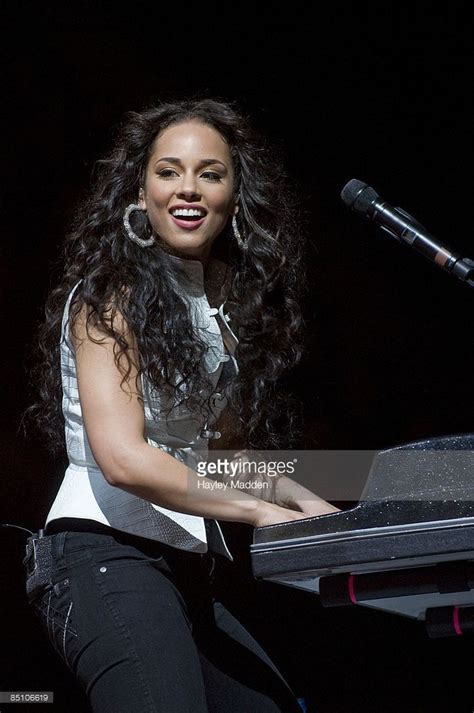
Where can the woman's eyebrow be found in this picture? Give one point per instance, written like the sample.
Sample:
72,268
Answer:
203,162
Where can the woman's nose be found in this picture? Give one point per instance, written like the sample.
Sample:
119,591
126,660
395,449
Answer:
188,188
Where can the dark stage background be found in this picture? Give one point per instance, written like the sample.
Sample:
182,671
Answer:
373,92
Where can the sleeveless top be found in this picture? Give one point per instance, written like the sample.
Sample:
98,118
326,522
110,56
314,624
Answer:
84,491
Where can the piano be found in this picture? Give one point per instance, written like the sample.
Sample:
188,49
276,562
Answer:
406,547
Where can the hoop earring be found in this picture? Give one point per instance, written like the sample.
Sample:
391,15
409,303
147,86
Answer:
126,221
237,235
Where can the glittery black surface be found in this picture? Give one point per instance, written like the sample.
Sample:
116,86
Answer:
416,482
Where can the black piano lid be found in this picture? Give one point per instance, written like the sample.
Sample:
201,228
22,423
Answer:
424,481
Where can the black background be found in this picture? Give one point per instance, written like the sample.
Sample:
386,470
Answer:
375,92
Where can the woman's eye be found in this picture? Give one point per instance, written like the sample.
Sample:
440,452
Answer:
167,173
211,176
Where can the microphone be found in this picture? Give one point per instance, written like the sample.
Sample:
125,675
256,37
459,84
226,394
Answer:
364,201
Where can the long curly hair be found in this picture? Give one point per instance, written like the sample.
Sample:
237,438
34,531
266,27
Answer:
117,277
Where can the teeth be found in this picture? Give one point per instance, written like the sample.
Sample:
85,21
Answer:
187,212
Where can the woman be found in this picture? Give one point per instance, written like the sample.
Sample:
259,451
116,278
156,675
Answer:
188,214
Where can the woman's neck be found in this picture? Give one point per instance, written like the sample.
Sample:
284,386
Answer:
217,281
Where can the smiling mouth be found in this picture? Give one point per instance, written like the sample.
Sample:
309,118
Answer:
188,223
188,215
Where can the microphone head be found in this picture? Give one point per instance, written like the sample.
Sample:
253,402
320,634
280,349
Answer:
359,196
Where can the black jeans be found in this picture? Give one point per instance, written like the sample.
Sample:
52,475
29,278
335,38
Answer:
137,624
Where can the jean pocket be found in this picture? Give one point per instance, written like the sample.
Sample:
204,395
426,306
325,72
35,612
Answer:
55,610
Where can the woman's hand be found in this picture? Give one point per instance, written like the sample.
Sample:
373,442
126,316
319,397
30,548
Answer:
270,514
294,500
290,494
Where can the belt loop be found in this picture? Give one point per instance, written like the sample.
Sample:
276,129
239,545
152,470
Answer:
57,545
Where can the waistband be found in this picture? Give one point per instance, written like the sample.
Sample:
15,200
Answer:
109,536
49,557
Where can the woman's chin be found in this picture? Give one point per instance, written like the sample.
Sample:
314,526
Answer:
188,246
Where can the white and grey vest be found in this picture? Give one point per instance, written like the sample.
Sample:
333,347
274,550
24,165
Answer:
84,491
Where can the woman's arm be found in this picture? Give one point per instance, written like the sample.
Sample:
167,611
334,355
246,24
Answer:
114,421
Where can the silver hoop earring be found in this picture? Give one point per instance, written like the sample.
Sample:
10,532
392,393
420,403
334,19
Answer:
126,221
237,235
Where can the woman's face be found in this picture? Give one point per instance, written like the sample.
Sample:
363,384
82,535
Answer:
188,191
